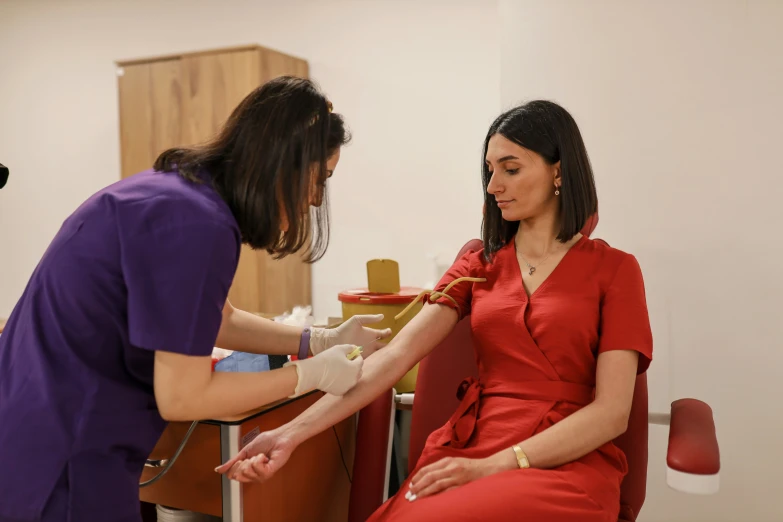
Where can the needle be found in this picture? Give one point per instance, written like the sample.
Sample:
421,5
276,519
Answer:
358,351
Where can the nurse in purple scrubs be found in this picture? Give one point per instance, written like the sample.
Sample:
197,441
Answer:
114,332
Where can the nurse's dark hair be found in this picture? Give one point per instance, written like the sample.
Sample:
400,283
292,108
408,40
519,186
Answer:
271,151
550,131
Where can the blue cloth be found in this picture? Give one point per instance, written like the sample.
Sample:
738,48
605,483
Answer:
243,362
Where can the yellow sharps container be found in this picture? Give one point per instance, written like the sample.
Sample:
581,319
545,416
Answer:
384,295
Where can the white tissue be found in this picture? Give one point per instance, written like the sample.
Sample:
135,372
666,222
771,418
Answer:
220,353
300,316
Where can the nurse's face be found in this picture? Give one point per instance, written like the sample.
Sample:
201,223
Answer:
522,183
315,197
317,189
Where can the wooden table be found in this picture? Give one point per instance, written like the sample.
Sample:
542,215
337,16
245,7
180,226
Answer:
313,485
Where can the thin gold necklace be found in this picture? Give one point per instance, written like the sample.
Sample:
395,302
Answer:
532,268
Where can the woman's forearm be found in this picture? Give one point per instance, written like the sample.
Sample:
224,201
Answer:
591,427
245,332
379,374
568,440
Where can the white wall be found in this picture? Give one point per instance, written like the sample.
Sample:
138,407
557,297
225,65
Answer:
418,82
680,106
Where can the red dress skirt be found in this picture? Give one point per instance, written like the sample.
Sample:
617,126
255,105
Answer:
537,363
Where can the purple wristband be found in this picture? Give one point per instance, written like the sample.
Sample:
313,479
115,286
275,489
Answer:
304,344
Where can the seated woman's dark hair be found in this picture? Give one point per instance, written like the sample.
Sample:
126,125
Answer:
548,130
264,156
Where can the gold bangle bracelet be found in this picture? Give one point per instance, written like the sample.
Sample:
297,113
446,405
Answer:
522,460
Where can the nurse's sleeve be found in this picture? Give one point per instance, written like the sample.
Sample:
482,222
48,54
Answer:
625,323
178,280
462,292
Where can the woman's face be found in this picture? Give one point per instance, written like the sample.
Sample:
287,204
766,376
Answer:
522,183
315,197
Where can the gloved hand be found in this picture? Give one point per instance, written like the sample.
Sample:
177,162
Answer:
353,331
329,371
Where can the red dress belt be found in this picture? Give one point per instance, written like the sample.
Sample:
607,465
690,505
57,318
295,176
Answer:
470,391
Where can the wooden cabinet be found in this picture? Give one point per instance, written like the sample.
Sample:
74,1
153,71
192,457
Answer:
184,99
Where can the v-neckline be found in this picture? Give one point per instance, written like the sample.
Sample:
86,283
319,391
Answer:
551,274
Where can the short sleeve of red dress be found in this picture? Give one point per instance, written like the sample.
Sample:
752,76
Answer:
461,292
625,323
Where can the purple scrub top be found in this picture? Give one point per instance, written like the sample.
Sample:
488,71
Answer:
143,265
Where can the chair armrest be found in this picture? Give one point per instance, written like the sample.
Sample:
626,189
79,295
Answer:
693,457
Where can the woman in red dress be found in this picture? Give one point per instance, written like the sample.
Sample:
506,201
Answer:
561,330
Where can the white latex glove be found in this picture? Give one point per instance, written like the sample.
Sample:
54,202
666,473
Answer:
353,331
329,371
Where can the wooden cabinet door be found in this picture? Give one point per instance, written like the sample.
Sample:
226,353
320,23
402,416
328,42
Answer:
150,98
185,100
285,283
214,84
274,64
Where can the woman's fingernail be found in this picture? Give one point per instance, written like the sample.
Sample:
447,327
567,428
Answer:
412,498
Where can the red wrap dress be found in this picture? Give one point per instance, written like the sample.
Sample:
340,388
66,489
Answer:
537,360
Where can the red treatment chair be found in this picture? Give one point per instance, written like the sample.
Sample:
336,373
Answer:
693,460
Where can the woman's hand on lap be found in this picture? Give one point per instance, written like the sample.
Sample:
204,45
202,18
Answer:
449,473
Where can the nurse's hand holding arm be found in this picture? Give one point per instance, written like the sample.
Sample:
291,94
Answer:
246,332
352,331
187,389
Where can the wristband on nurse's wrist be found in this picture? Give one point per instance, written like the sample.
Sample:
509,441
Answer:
304,344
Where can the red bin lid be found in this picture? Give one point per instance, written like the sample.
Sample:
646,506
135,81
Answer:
364,296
